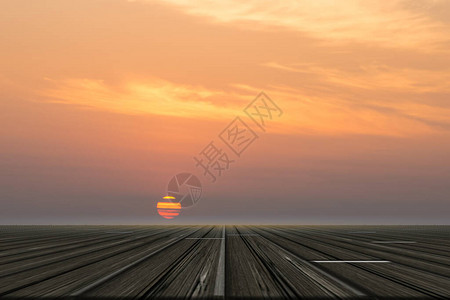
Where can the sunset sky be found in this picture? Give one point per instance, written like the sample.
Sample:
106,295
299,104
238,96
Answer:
103,101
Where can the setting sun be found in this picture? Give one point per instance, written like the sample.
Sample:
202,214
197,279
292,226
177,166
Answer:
168,210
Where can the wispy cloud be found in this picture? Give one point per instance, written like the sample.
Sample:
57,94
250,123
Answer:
389,23
326,113
150,96
374,98
376,77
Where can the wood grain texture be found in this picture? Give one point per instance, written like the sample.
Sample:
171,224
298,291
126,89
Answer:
224,262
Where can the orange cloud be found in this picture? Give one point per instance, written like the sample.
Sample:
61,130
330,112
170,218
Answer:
375,77
153,96
305,112
389,23
373,100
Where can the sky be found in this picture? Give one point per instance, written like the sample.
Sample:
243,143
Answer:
102,102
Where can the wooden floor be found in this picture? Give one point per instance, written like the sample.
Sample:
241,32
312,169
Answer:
231,261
